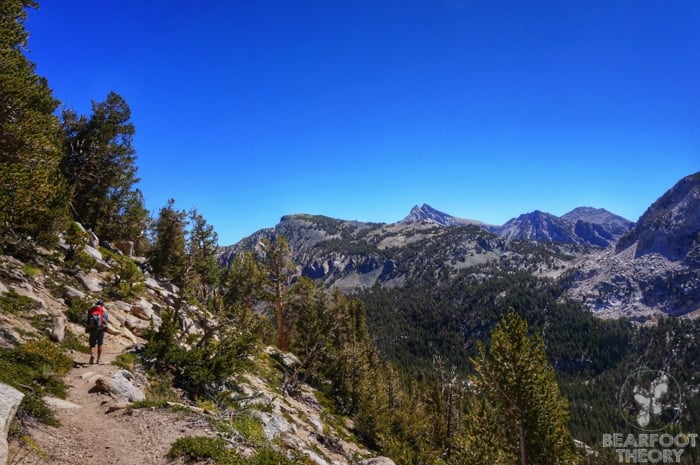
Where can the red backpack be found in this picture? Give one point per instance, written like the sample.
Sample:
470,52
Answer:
96,317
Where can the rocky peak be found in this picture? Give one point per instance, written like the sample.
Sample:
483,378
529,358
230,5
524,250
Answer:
538,226
671,225
614,224
428,214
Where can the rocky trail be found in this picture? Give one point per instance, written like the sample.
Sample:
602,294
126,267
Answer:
97,429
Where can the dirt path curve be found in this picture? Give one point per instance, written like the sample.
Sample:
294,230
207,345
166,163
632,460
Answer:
92,434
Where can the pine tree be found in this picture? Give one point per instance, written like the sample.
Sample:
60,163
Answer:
32,194
202,270
278,266
167,257
100,167
519,414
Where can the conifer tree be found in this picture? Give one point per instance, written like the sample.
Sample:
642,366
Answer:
203,273
168,255
243,282
520,415
32,205
100,167
280,270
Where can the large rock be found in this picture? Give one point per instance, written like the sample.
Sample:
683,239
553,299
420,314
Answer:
93,240
93,252
58,330
125,247
275,425
89,283
71,294
10,399
136,325
119,386
143,309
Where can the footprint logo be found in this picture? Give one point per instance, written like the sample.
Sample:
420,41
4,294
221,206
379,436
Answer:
650,400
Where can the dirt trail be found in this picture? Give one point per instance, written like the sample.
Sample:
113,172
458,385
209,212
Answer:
92,434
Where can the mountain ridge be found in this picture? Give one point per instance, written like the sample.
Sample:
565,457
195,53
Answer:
589,248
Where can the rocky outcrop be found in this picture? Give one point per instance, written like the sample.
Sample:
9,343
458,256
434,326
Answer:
671,225
10,399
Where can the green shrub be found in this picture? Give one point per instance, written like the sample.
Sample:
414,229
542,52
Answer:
36,369
82,260
128,278
31,271
77,310
15,304
269,456
126,361
245,427
195,449
74,342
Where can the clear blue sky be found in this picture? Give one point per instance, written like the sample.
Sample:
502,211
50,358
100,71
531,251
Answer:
484,109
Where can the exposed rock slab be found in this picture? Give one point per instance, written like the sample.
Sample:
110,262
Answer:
10,399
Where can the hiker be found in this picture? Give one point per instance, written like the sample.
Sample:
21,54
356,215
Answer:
96,325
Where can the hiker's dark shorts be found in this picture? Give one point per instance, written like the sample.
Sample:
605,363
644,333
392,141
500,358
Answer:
97,337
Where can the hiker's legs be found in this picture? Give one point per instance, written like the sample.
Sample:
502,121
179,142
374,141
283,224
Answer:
93,343
99,340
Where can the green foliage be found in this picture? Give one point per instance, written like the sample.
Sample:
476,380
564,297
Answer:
200,448
31,271
204,362
128,279
35,368
16,304
82,260
203,275
32,191
77,310
167,258
74,342
126,360
521,410
100,168
280,270
76,239
243,427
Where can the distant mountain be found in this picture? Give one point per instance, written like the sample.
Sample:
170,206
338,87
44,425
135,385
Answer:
582,226
428,214
538,226
655,267
353,255
614,224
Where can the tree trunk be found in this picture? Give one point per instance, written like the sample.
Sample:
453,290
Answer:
523,447
281,334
